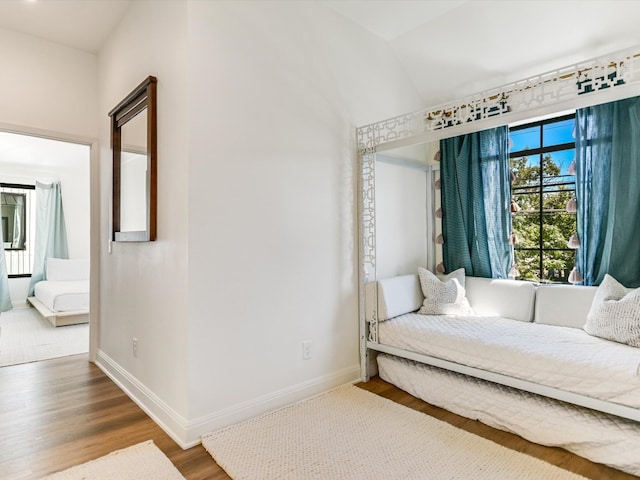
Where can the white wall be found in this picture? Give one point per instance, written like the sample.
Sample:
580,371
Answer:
257,246
277,90
144,285
47,86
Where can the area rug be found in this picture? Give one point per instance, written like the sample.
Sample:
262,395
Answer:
143,461
25,336
351,434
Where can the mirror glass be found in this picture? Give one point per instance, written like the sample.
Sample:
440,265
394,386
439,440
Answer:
13,220
401,177
133,141
134,175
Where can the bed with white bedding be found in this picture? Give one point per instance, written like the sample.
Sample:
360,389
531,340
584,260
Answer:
559,357
524,363
63,298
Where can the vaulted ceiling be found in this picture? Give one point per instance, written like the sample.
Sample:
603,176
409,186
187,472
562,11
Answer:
454,48
449,48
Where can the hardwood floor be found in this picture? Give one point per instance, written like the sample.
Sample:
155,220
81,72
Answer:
59,413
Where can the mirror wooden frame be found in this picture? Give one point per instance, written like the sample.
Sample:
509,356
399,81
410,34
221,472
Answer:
142,98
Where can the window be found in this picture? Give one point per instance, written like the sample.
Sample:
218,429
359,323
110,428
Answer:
17,204
542,157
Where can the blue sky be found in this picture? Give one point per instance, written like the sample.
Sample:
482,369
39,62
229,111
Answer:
553,134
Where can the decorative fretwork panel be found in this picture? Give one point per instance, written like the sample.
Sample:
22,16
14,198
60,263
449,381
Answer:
368,235
617,71
387,130
367,213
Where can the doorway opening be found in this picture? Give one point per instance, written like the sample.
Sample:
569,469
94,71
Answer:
27,335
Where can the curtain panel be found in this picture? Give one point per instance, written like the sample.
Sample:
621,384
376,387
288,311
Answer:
476,196
608,191
51,232
5,295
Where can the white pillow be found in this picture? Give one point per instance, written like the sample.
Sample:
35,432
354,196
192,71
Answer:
64,270
444,295
615,313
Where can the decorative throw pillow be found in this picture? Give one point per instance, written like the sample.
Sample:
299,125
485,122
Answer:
444,295
615,313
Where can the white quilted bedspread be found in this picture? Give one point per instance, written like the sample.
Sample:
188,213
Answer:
561,357
602,438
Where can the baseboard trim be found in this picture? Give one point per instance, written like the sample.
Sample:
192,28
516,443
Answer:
187,433
174,424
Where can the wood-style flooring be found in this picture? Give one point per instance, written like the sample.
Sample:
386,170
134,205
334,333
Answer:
58,413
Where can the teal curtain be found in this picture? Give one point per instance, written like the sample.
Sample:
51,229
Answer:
51,233
5,295
608,191
476,196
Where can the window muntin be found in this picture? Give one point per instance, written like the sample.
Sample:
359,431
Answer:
541,155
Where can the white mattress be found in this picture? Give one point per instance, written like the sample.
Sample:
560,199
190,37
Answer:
64,296
561,357
600,437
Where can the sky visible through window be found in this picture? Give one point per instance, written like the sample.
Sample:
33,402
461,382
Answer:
554,134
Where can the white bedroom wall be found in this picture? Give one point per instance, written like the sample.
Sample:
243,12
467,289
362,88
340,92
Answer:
144,285
277,89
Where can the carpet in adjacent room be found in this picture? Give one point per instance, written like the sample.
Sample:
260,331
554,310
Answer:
25,336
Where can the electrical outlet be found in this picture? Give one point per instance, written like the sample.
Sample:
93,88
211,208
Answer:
134,346
306,350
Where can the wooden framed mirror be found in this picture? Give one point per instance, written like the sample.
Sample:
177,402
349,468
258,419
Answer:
134,147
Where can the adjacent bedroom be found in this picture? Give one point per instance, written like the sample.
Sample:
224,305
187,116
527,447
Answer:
44,254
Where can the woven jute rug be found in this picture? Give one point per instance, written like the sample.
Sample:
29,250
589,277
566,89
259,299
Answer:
351,434
143,461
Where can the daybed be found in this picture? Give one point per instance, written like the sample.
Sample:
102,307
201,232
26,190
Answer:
63,297
520,360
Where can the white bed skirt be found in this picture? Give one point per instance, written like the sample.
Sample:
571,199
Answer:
597,436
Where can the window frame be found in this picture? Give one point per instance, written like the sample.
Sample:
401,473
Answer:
29,242
541,188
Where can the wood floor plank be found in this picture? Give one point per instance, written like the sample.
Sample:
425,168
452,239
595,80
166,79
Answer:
59,413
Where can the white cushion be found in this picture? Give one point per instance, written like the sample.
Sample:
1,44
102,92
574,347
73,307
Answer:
444,295
615,313
494,297
563,305
395,296
60,269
